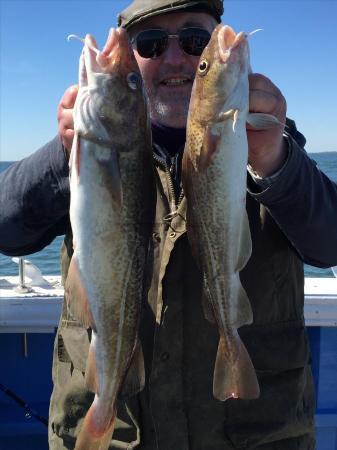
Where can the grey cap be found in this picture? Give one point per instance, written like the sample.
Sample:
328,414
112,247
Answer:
140,10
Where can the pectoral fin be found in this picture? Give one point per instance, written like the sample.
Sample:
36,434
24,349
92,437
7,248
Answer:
231,114
75,159
262,121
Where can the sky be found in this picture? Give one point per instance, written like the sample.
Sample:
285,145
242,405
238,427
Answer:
297,50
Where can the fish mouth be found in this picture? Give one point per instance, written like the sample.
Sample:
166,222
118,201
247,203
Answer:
117,50
228,41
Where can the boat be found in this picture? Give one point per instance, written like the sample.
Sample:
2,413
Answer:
30,308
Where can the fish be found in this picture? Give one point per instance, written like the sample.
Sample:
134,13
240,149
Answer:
112,206
214,178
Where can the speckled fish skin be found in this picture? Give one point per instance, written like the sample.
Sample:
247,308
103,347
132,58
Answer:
111,211
214,181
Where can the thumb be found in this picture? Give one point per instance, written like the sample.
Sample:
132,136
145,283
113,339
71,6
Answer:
68,99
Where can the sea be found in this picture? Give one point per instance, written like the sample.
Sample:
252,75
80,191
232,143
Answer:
48,260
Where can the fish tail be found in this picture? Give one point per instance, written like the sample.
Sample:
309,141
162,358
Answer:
234,377
97,429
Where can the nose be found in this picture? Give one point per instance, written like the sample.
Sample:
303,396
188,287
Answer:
174,53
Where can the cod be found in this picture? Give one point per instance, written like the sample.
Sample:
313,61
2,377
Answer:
112,211
214,177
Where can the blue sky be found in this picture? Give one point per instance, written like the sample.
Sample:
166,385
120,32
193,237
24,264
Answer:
297,50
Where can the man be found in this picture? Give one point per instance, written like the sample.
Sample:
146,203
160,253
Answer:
292,217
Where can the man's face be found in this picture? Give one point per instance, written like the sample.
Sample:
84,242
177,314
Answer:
169,77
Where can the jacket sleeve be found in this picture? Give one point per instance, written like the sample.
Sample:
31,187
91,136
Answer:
303,201
34,201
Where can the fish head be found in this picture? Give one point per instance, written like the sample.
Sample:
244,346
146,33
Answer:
114,89
221,82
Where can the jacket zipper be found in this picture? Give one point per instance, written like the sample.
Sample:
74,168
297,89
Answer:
173,204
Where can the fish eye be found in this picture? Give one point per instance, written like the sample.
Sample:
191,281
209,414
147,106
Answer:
133,80
203,67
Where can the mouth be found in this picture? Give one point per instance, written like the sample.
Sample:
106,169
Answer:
176,81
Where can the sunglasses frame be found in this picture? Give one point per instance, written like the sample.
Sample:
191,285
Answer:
167,36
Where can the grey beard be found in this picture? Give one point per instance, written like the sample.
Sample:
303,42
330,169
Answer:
161,112
159,109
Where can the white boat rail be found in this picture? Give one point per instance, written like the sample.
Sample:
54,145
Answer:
38,310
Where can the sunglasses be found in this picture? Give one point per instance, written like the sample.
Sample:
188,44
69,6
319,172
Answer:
153,42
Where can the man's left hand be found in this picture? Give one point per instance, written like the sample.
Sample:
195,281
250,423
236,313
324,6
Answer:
267,148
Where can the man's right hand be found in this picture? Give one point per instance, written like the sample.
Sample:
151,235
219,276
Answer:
65,117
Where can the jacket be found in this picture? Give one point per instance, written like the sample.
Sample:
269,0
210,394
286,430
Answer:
177,409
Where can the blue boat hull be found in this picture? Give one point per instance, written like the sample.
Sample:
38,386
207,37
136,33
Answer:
30,378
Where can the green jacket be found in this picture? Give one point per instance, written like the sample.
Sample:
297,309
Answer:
176,410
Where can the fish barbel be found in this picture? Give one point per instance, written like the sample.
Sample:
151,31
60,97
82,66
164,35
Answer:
214,180
112,212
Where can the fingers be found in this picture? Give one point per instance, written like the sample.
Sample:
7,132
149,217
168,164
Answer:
69,97
267,151
265,97
65,116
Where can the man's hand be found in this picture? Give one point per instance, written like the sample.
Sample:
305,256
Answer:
267,149
65,117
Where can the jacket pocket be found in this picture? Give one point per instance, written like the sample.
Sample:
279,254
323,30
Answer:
71,399
73,344
278,346
285,408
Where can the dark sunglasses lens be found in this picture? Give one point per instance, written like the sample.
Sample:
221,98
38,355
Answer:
194,40
151,43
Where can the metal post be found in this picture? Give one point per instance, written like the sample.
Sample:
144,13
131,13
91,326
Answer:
22,273
22,288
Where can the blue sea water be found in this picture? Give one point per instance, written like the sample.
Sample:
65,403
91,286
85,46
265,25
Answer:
48,260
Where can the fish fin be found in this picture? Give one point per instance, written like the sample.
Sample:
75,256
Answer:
78,157
209,149
135,378
262,121
206,304
75,158
245,244
225,115
242,313
93,436
232,114
236,118
77,297
91,378
234,379
109,163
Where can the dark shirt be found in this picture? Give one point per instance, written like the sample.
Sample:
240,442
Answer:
34,199
168,138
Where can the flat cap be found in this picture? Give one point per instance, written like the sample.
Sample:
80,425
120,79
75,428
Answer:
140,10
